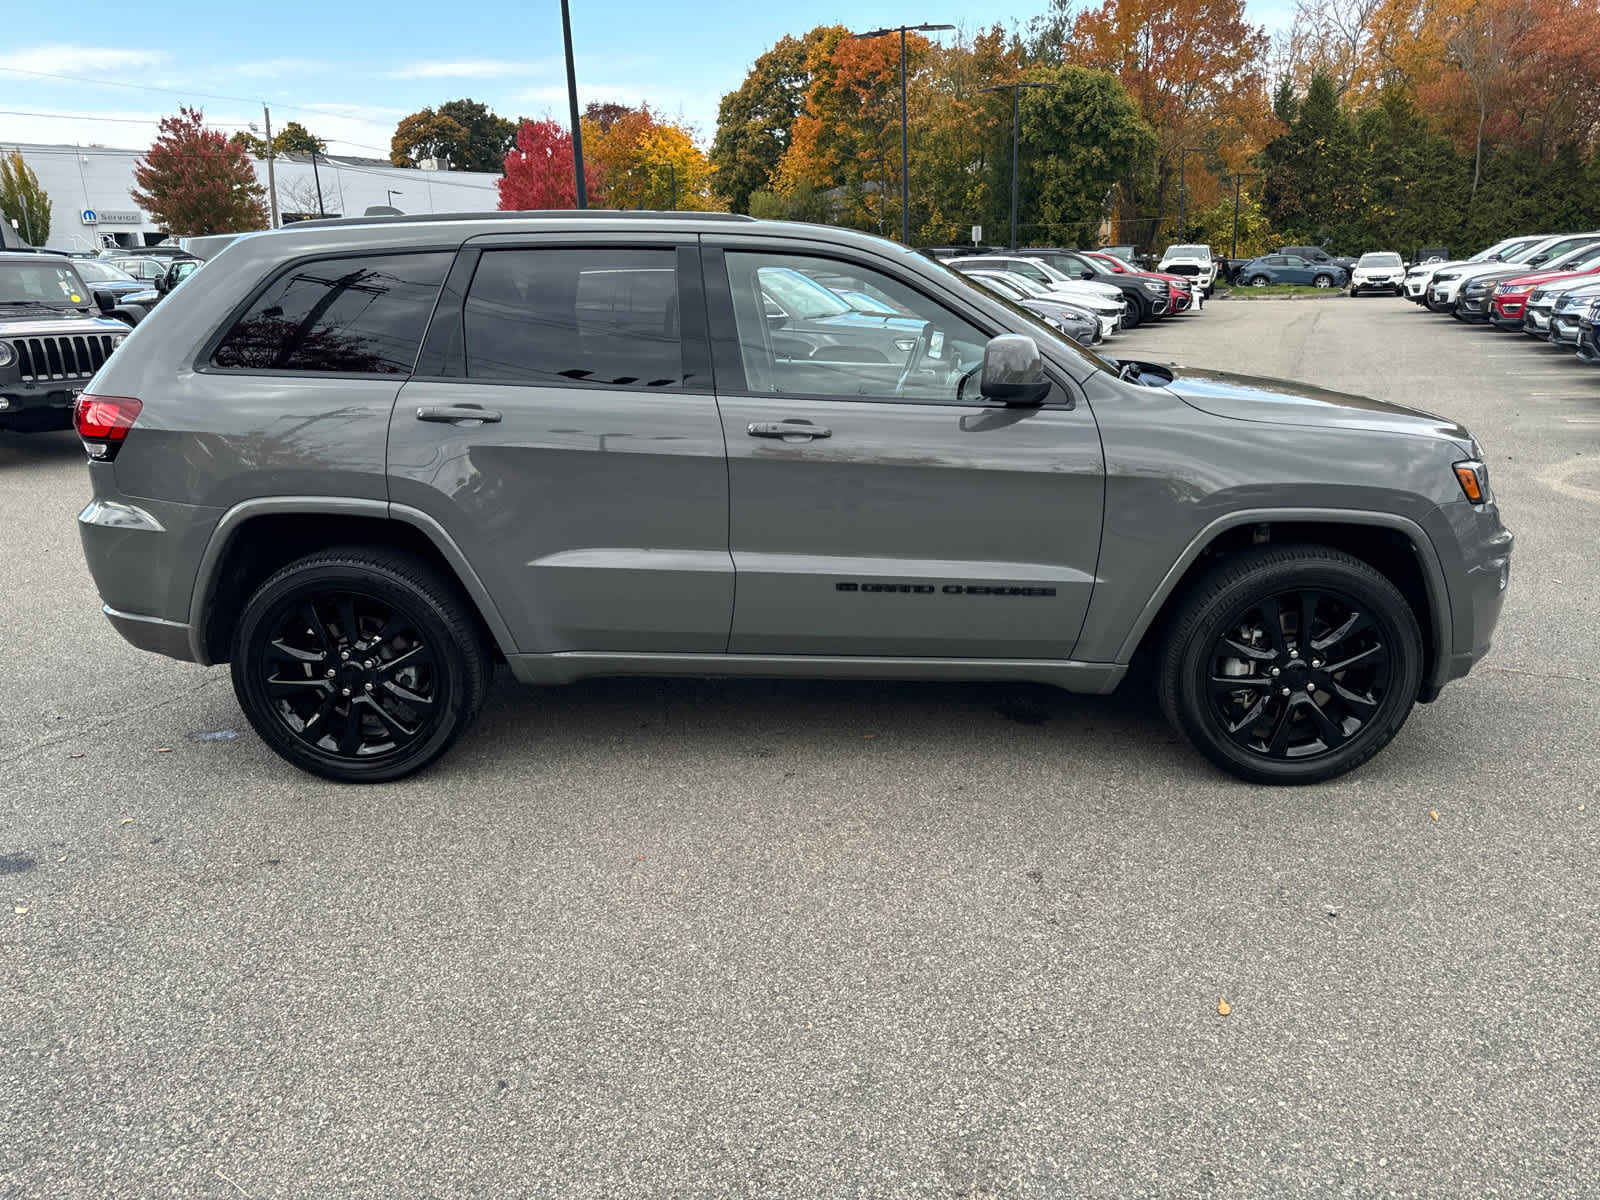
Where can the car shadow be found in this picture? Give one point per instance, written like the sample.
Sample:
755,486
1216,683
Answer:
24,449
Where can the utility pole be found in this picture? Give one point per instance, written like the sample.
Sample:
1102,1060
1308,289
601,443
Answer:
1016,163
1183,156
321,212
272,179
1234,252
905,137
572,102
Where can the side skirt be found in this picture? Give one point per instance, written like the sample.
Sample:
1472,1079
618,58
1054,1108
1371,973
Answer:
1091,678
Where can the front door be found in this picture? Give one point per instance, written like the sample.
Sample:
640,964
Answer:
878,505
563,430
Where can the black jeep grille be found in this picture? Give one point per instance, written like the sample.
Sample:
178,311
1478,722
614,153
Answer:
1182,269
71,356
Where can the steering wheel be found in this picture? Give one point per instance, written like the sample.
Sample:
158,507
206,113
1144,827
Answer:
919,351
1129,370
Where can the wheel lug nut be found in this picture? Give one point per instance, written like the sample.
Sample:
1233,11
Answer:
344,654
1311,687
1316,662
369,687
1285,691
1275,671
367,664
344,691
330,673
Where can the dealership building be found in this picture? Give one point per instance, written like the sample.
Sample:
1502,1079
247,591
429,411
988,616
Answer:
90,190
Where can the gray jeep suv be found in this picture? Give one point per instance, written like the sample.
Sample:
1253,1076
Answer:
363,459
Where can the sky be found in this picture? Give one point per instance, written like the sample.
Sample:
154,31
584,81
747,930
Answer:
349,72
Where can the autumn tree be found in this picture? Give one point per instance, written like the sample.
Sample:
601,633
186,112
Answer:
1194,70
22,199
295,138
640,160
538,172
465,134
194,181
755,122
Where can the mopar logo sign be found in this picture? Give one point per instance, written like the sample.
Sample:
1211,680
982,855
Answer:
90,217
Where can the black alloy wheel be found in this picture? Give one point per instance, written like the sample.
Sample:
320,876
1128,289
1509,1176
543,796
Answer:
1292,665
359,666
1137,313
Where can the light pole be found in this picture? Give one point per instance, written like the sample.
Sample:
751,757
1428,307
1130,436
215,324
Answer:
572,102
1016,170
389,194
1234,252
1183,156
905,142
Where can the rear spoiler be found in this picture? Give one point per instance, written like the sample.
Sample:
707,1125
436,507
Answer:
209,246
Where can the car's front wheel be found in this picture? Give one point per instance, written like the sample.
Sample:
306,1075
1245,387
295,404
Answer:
1291,664
1322,281
360,666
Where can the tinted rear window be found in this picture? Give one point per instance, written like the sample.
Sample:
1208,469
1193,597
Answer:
560,315
357,315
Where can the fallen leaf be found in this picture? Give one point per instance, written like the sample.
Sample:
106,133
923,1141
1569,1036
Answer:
74,756
1224,1008
869,735
20,910
1433,814
163,749
127,820
63,858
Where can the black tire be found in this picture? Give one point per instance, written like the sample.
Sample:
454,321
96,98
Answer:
405,643
1374,686
1136,315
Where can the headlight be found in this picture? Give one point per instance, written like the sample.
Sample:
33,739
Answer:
1150,285
1446,276
7,354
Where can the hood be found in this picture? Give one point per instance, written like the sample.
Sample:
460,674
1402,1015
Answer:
1539,277
1285,402
1107,293
41,324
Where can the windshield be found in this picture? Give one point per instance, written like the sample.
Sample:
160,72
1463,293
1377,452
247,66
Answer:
1575,257
40,283
1037,325
1188,251
1379,260
101,272
799,295
1022,283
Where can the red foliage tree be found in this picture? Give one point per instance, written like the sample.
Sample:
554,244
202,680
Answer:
194,181
539,171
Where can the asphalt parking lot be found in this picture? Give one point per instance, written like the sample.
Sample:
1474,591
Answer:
704,938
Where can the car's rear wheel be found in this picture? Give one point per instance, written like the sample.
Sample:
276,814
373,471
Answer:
1291,664
1322,281
359,666
1259,281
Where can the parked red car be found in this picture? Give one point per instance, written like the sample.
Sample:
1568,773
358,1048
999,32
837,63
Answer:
1508,302
1182,285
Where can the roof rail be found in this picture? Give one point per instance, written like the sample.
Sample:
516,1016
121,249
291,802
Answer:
552,214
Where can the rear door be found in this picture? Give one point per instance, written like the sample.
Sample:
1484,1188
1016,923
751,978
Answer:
879,506
563,429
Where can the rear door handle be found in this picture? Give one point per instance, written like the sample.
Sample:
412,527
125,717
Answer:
787,429
456,413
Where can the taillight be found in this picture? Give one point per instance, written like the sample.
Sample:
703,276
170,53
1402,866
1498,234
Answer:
103,421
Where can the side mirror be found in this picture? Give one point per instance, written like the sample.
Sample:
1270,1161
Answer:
1085,274
164,281
105,302
1013,371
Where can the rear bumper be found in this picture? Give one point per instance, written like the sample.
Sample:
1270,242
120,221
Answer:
152,633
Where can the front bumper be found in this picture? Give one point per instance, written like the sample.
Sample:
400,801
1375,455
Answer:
1564,329
1476,552
1536,321
1382,283
1473,308
1589,343
27,409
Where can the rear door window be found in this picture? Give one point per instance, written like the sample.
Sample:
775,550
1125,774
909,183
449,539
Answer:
362,316
566,315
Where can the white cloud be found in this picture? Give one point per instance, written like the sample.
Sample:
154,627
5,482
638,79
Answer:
79,60
272,68
469,68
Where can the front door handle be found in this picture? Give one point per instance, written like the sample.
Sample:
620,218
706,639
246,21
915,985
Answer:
456,413
787,429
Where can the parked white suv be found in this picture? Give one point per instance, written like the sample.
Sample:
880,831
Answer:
1195,261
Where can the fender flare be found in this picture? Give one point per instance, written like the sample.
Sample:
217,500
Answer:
1433,576
228,526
